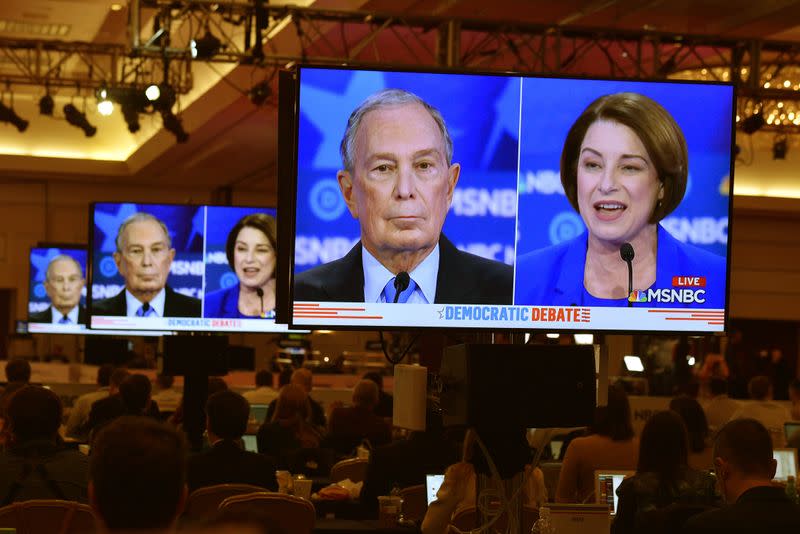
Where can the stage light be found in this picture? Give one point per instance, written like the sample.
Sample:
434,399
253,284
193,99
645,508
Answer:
152,93
206,47
173,125
105,108
131,116
779,147
78,119
10,116
46,105
633,363
753,123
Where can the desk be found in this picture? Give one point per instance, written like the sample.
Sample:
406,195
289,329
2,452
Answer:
348,526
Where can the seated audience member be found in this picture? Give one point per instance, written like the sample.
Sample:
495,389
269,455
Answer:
720,407
226,462
289,429
133,399
611,445
79,414
406,462
457,491
137,476
264,392
167,397
694,418
18,375
215,384
663,477
385,405
350,425
744,468
762,408
106,408
36,465
302,377
794,396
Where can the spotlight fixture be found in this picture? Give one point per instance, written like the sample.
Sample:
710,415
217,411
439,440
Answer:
105,107
779,147
152,93
46,105
8,114
173,125
206,47
260,92
753,123
131,116
78,119
162,97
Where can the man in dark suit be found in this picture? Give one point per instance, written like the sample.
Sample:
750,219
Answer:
226,462
143,257
63,283
744,467
398,181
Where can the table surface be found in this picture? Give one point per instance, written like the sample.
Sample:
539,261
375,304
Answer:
346,526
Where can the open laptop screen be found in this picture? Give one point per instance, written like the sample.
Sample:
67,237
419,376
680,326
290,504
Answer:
787,463
606,483
432,483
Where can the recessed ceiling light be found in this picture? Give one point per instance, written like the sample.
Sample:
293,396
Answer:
116,7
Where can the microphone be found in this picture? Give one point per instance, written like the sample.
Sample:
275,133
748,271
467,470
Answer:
260,293
626,252
401,282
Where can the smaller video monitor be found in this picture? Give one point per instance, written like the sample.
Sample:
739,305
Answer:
57,289
787,463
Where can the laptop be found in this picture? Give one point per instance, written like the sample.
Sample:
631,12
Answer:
432,484
580,518
259,412
250,442
791,428
787,463
606,482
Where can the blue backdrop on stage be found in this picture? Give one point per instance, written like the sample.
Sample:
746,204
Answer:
219,222
549,108
40,258
482,115
185,225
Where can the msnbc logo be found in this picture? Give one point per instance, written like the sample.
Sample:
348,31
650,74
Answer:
669,296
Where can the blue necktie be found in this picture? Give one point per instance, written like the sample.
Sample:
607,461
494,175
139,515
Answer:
389,291
64,320
145,310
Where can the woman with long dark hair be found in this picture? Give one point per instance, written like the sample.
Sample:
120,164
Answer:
693,416
663,477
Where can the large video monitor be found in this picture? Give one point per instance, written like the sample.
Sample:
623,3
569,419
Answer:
508,202
182,267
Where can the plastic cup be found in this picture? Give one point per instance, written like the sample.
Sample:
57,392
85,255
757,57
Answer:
389,508
302,488
284,479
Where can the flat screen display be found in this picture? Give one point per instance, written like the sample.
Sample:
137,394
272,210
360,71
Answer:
57,290
510,202
183,267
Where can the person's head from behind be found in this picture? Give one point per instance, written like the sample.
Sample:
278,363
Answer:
227,413
64,283
144,255
137,475
117,378
375,377
302,377
34,413
135,392
718,386
365,395
614,419
18,370
695,420
398,177
760,388
624,166
663,447
285,377
164,381
263,378
250,249
292,406
743,457
104,373
216,383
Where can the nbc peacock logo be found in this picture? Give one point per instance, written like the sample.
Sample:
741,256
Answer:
638,296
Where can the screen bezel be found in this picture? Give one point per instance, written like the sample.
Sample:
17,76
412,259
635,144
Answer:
159,331
288,195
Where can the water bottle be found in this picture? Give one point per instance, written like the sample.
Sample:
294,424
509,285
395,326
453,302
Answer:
791,489
543,524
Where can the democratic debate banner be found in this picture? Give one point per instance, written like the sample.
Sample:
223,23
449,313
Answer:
508,134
